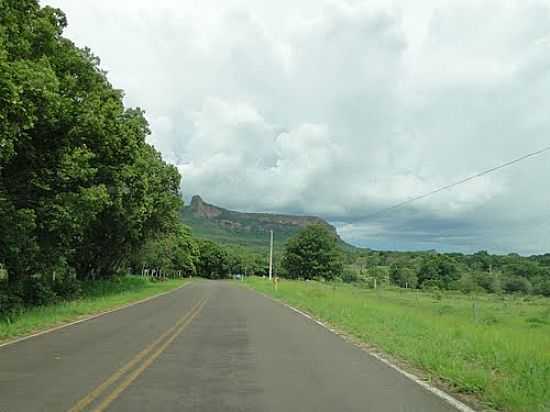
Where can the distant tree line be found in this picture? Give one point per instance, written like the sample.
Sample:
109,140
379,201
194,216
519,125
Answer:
314,254
477,272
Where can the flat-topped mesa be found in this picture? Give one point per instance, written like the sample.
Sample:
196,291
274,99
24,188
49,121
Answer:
200,208
244,228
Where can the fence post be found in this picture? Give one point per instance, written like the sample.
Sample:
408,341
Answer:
475,308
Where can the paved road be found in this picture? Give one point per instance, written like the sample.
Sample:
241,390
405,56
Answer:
210,346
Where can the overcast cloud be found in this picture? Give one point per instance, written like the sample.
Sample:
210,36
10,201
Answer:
340,108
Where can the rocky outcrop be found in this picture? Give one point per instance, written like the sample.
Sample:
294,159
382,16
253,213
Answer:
199,208
230,218
216,223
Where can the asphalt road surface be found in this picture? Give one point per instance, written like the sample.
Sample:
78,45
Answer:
210,346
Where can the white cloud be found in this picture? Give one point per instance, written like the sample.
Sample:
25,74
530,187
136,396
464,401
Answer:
340,108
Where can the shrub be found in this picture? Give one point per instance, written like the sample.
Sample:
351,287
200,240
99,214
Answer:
488,281
466,284
431,284
543,288
10,303
350,277
67,288
516,284
38,292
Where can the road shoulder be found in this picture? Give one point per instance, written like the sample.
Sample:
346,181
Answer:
430,383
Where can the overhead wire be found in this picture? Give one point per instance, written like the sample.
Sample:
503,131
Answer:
459,182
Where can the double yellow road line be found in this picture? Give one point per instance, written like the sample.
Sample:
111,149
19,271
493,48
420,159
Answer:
128,373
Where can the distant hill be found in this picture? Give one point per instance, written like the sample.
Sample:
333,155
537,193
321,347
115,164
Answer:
246,229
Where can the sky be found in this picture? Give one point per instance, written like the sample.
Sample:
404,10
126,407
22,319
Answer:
341,108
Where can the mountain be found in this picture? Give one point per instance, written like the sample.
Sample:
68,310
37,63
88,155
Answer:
246,229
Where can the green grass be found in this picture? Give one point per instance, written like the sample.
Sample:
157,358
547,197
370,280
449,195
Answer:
97,297
495,348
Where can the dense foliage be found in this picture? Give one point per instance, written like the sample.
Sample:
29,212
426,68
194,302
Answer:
80,189
176,252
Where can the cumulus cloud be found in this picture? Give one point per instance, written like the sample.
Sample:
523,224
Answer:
341,108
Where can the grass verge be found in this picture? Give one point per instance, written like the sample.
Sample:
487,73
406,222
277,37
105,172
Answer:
97,297
494,348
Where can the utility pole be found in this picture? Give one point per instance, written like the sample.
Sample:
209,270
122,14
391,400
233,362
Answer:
271,255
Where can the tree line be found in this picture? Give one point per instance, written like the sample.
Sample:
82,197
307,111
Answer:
314,254
82,194
477,272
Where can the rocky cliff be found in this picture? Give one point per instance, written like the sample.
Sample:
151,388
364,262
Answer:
228,226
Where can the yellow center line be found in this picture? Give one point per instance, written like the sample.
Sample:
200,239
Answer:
94,394
136,373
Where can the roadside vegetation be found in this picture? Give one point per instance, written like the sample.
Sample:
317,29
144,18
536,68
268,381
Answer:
495,347
91,297
84,198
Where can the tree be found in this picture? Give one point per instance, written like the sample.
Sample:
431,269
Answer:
313,253
403,276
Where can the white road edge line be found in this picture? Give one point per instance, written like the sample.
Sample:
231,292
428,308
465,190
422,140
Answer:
460,406
87,318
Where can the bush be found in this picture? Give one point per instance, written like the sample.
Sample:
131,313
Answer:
350,277
38,292
488,281
466,284
67,288
10,303
543,288
516,284
431,285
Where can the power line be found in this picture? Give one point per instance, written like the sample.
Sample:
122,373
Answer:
449,186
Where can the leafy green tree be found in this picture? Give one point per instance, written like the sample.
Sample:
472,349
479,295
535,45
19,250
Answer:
403,276
313,253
